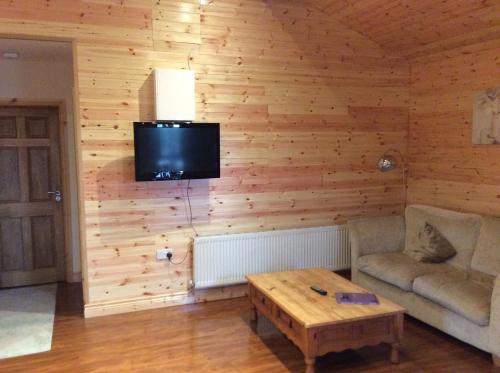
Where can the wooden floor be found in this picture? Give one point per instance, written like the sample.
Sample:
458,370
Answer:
218,337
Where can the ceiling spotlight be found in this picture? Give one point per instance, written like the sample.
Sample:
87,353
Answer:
10,55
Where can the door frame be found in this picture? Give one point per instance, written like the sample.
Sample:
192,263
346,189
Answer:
78,147
60,106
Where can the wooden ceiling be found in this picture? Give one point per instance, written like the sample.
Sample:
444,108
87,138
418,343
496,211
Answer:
416,27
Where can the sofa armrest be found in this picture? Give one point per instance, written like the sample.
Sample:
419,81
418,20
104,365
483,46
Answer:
375,235
495,319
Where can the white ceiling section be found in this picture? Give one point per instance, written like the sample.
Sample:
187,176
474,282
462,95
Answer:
37,50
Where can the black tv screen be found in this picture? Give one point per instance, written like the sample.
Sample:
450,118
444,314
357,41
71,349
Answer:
175,151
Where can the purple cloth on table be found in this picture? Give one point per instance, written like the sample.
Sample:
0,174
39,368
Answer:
356,298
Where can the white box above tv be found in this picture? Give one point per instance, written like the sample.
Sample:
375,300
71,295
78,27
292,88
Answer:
175,95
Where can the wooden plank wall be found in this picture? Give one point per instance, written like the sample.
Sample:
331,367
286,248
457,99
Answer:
306,107
445,168
418,28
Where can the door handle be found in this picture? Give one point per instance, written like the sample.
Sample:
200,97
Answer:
56,195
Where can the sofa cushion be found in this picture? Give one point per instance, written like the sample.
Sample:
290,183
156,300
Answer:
481,278
460,229
397,268
432,246
486,256
458,293
378,234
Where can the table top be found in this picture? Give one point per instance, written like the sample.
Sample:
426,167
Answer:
291,291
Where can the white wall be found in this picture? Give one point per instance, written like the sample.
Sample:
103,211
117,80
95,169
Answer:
47,80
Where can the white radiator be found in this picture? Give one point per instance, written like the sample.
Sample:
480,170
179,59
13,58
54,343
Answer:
227,259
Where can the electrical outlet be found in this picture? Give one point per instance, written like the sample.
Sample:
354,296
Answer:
161,254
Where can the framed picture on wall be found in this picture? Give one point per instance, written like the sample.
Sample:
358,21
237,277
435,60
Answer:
486,117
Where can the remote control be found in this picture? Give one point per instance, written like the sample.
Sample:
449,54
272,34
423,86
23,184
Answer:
318,290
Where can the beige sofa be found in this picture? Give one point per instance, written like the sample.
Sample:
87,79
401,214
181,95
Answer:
460,296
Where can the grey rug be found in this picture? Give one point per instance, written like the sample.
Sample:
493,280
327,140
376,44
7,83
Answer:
26,320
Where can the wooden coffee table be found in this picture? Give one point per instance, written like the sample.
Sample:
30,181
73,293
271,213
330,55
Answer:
318,324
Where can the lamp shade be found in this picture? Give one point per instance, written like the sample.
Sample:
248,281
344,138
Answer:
387,163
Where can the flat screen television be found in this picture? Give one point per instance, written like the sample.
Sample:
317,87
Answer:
176,151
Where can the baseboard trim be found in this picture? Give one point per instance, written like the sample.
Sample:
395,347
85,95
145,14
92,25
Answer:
160,301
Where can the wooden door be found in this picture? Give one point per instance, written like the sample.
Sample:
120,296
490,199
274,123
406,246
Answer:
31,220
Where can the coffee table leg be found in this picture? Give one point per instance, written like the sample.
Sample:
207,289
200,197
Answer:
395,353
398,336
310,364
253,313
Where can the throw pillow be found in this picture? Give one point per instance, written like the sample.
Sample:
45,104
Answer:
432,246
